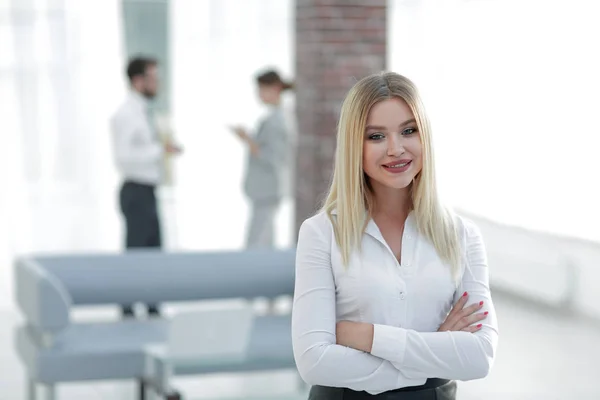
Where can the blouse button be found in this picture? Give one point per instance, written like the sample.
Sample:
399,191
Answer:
402,295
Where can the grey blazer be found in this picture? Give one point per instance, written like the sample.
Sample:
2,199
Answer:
265,172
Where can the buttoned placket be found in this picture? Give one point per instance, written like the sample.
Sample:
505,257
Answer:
406,268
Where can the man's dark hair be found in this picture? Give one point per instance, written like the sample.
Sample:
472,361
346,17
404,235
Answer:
138,65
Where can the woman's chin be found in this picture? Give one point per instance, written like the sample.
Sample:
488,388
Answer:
398,184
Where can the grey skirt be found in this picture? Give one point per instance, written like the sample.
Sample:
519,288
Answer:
434,389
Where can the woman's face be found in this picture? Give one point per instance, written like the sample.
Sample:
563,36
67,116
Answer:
392,151
269,94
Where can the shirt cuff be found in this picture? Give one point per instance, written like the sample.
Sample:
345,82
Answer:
389,343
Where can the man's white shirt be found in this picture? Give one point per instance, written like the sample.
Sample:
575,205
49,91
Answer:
137,148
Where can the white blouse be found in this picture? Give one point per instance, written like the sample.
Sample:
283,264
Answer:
406,303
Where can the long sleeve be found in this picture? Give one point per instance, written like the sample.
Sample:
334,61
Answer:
319,359
448,355
133,144
273,142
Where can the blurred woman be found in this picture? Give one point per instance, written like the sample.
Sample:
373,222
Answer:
268,158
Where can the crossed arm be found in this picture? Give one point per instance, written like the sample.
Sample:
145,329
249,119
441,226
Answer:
376,357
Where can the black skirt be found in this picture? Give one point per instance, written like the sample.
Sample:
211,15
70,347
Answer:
433,389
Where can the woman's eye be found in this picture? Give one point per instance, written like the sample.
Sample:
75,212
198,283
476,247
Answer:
376,136
409,131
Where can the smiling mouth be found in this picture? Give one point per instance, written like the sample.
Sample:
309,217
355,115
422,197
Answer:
399,165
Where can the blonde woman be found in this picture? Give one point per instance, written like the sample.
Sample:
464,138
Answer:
392,298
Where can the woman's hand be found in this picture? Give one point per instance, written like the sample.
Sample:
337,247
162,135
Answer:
240,132
462,318
357,335
243,134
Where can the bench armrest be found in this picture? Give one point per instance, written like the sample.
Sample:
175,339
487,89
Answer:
41,297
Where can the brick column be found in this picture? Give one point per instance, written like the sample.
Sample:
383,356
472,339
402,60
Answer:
337,43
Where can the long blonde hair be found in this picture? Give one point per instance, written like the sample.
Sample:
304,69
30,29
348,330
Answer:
349,193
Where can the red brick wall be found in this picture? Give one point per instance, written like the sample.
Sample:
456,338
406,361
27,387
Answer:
337,43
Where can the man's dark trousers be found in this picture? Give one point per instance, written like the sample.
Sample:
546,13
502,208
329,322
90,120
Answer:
139,207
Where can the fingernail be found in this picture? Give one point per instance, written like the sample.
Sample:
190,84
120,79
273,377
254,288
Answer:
485,313
479,326
465,293
481,303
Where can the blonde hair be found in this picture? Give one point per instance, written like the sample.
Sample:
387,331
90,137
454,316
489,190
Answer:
349,192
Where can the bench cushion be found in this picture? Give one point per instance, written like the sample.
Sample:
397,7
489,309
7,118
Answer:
115,350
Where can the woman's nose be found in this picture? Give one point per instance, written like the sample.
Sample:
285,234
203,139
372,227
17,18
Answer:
395,146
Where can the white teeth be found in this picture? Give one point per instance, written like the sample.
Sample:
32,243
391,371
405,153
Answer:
398,165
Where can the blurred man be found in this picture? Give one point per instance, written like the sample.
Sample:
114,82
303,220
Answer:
139,154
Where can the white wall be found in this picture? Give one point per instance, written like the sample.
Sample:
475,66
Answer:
60,78
551,269
512,89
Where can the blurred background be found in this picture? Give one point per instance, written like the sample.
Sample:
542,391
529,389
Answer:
511,88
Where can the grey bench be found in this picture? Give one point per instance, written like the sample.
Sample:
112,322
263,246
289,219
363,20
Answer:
54,349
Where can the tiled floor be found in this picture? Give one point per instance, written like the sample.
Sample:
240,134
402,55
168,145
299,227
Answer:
542,355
